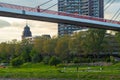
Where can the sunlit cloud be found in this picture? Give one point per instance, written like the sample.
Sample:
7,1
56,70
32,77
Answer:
4,23
9,33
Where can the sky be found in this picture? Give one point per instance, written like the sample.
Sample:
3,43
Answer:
12,28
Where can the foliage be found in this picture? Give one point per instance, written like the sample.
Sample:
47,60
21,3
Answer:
16,62
54,61
46,60
108,59
93,41
118,37
49,46
112,59
35,57
38,45
76,43
85,46
76,60
61,65
82,60
25,56
61,48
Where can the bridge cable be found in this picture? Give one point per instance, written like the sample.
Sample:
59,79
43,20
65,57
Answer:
109,5
44,3
117,12
107,2
49,7
117,15
38,7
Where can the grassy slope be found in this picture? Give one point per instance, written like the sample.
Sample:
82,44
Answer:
39,70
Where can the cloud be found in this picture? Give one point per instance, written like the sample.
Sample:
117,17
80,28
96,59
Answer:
9,33
4,23
18,24
33,23
36,27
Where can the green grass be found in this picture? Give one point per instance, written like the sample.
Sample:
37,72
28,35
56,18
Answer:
39,70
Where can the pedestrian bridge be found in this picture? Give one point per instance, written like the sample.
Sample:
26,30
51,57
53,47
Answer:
16,11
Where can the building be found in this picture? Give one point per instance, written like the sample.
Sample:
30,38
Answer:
92,8
84,7
26,33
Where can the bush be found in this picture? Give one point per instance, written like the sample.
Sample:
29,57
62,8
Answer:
25,56
46,60
108,59
76,60
54,60
36,58
61,65
4,61
112,59
82,60
16,62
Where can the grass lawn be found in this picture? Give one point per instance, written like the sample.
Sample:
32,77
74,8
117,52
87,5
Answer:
39,70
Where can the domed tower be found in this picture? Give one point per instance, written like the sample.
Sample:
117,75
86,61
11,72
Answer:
26,32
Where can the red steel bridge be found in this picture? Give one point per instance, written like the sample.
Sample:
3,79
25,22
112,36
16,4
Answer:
16,11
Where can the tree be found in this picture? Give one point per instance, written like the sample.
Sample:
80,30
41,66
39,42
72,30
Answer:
18,49
49,46
10,48
76,43
6,51
38,45
94,39
26,47
25,56
62,49
117,36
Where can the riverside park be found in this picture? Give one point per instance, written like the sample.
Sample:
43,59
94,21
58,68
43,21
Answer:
80,41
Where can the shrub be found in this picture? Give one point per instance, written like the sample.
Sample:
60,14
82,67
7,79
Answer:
36,58
82,60
108,59
46,60
25,56
54,60
112,59
76,60
16,62
61,65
